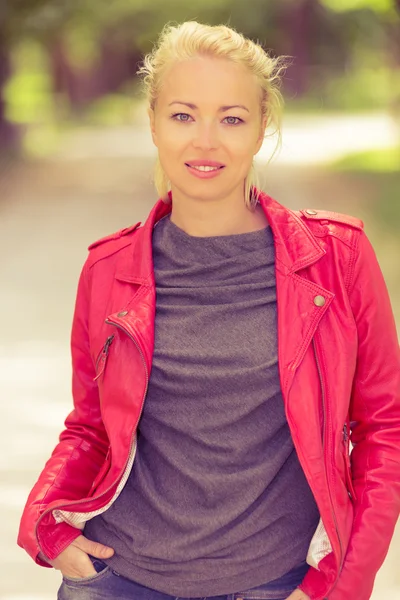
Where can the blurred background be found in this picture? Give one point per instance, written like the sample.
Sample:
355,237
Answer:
76,162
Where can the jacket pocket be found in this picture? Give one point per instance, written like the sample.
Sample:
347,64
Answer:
101,360
102,473
347,464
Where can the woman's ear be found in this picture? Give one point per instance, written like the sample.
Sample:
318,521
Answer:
152,119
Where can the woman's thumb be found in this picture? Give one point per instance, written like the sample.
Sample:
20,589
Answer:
94,548
99,550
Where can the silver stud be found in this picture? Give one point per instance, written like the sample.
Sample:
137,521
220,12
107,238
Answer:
122,313
309,211
319,300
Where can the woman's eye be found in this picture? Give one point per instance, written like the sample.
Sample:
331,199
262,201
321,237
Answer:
233,120
185,118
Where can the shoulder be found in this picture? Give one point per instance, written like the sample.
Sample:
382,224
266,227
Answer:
111,243
114,236
311,214
325,222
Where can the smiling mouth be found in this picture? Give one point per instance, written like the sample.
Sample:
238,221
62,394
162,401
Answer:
204,168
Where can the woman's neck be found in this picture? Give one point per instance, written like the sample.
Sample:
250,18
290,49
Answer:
211,220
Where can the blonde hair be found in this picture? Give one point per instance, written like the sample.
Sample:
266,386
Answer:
191,39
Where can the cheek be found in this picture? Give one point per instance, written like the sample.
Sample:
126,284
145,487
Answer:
243,152
242,141
170,150
172,140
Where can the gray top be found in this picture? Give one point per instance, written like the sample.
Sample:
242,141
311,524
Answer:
216,501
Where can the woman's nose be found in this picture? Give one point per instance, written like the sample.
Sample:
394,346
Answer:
206,137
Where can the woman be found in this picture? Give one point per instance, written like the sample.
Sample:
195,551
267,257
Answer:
202,457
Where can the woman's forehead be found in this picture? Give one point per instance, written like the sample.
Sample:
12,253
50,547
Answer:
206,80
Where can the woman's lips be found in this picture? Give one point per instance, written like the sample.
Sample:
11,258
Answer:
204,174
204,162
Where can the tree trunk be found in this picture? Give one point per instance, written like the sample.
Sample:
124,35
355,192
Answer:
298,18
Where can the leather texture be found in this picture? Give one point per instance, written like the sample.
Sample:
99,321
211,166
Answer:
339,364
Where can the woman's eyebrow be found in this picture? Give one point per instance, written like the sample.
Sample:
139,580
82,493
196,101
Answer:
221,109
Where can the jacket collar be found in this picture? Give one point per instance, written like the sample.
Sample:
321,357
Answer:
295,246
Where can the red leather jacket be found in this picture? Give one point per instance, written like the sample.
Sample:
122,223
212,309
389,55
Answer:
339,365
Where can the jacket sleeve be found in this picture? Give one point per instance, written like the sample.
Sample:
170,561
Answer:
77,458
375,428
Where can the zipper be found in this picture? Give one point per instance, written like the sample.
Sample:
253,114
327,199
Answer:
349,481
324,409
64,506
103,357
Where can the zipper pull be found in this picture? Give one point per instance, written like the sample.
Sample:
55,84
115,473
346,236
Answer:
103,356
108,343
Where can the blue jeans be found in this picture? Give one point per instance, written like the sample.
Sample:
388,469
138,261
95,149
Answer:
107,584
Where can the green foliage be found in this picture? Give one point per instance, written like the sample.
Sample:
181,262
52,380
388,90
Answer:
112,109
383,160
28,94
387,201
360,89
41,18
81,44
379,6
363,88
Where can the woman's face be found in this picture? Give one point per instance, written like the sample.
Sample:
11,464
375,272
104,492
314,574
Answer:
208,110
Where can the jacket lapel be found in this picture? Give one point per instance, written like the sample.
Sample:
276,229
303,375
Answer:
301,302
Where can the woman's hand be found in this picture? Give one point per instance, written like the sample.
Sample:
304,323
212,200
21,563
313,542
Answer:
298,595
74,560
